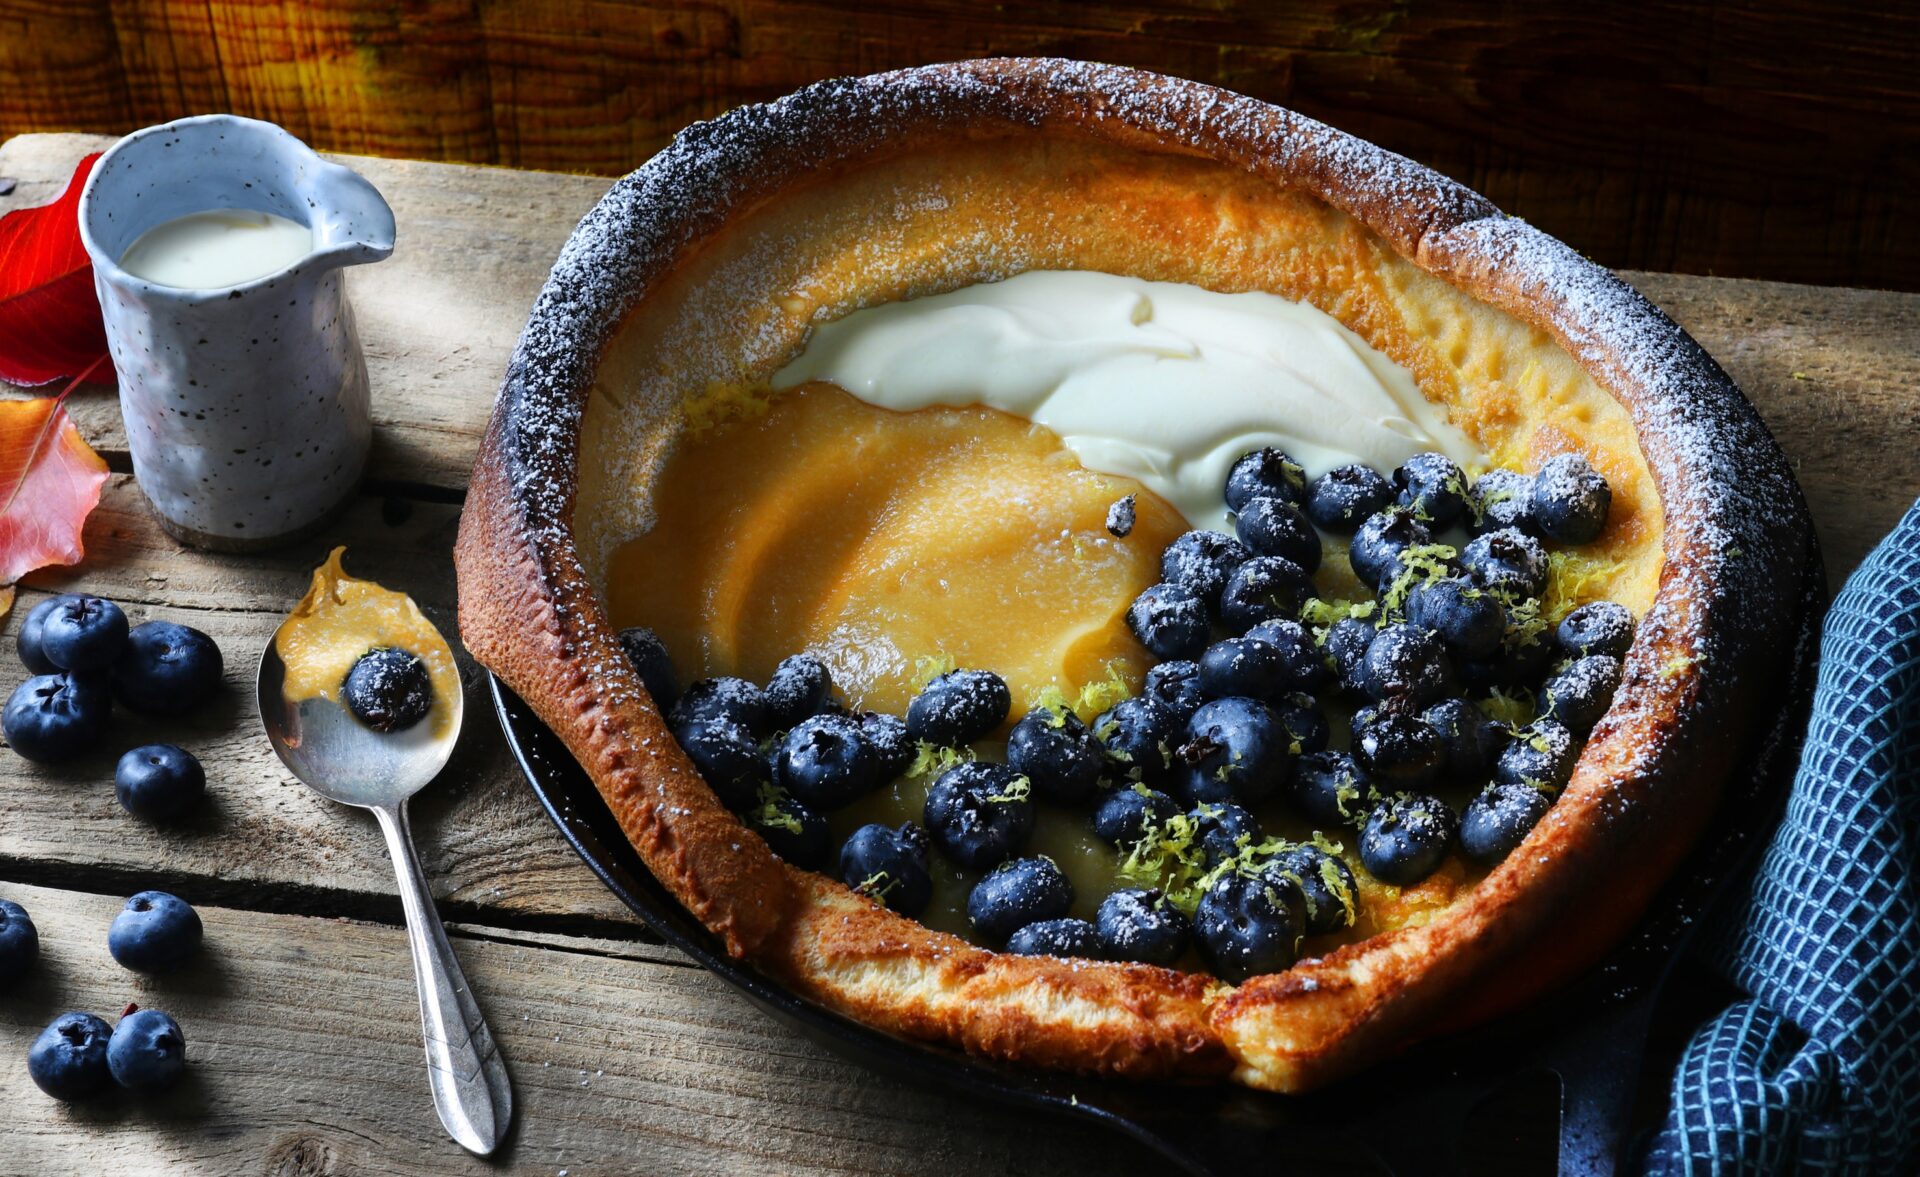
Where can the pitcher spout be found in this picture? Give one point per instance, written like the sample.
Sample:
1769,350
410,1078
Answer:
351,221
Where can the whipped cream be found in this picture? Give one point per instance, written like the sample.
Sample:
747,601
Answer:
1161,382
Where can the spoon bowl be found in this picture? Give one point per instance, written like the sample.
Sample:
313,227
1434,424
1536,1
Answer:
340,758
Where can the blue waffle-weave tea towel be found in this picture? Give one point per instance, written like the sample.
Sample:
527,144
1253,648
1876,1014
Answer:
1818,1071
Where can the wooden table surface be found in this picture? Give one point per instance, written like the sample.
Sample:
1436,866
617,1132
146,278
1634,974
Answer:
303,1033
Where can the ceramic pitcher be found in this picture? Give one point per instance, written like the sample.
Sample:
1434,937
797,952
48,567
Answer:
246,407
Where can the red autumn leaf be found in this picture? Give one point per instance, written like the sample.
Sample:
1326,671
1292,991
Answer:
50,480
50,322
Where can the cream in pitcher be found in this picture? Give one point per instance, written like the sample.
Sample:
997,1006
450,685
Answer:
217,245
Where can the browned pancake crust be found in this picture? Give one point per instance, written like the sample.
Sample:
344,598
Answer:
1734,540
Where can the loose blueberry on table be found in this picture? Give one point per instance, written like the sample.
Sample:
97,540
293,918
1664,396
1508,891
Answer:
146,1051
154,933
159,782
55,717
19,941
69,1059
167,669
1476,671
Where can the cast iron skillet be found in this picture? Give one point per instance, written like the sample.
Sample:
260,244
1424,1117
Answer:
1590,1034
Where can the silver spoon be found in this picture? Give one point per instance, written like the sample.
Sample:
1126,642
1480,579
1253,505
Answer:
337,757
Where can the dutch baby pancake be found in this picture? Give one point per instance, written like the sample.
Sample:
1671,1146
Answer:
1112,575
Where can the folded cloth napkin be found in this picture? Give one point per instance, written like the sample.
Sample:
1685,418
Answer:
1819,1070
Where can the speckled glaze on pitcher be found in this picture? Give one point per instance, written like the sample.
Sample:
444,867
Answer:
246,406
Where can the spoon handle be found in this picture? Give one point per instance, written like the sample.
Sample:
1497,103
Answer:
469,1079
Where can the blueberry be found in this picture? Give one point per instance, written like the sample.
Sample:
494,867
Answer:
1263,589
1570,501
1120,516
1329,788
726,697
1169,620
648,656
154,933
1432,487
1126,813
1265,473
1375,554
1250,926
1175,686
1406,837
889,865
1542,755
1501,498
1058,754
19,941
1201,562
146,1050
1521,664
1470,738
54,717
1303,662
887,736
794,832
1580,693
1138,735
826,762
388,689
979,813
1066,938
1509,562
1275,527
1142,926
1240,666
83,633
1016,893
1498,819
800,688
1600,627
1304,721
1346,647
959,707
1339,499
1398,751
1221,828
167,669
69,1058
1325,883
28,641
1406,662
1235,751
1468,620
728,758
159,782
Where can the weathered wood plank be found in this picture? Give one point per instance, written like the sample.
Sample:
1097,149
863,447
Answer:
265,840
437,320
304,1058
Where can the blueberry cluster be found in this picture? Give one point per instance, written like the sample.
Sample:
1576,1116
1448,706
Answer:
1233,717
83,655
1451,637
78,1054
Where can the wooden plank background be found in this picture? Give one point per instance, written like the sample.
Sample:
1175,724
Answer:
1774,139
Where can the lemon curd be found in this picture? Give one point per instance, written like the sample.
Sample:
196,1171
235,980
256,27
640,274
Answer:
343,617
877,539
